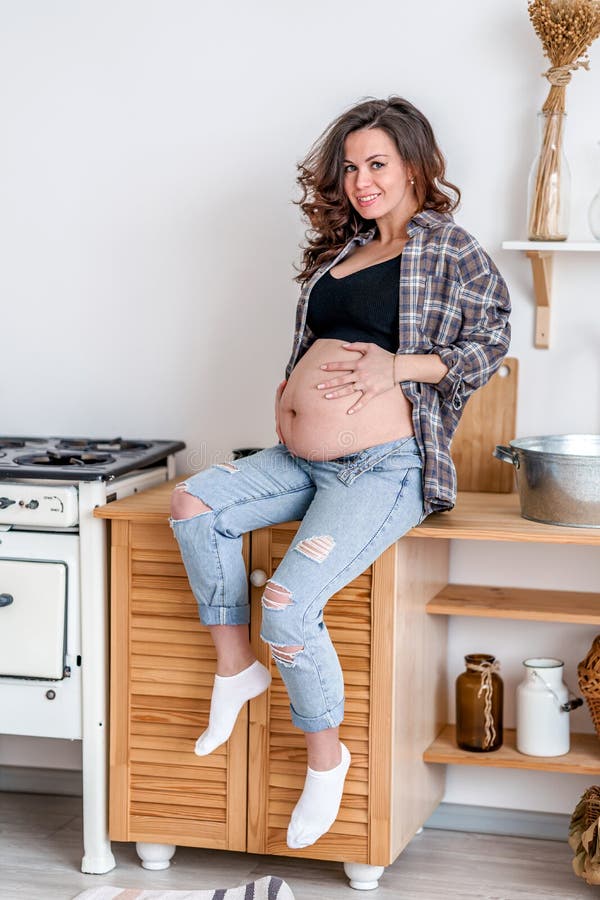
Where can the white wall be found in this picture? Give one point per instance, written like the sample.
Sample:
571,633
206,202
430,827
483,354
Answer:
147,167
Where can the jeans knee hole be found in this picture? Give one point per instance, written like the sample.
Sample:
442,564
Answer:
317,547
276,596
187,507
285,655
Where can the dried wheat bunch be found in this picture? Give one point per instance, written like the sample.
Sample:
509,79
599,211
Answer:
566,28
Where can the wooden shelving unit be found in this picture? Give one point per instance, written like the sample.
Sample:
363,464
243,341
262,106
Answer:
541,254
487,516
582,759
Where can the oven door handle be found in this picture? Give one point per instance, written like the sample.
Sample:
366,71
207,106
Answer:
6,599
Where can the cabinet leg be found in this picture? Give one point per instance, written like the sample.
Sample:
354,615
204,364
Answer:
363,877
155,856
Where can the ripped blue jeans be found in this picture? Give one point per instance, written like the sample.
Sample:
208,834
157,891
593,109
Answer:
352,508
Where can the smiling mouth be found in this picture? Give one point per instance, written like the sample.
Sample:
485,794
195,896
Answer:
368,199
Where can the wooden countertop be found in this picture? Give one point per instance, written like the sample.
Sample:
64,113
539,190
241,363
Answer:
497,517
476,517
150,506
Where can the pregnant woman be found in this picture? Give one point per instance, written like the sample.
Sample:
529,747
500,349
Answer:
401,316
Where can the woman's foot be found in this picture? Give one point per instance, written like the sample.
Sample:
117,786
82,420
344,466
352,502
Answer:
319,804
230,692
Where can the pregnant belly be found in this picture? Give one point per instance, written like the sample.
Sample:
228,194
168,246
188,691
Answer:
320,429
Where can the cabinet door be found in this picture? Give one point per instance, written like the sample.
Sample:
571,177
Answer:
277,751
393,655
162,669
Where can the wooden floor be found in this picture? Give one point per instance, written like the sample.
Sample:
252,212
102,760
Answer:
40,853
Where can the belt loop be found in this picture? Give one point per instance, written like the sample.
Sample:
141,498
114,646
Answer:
347,475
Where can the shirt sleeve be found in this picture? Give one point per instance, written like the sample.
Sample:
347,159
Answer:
484,338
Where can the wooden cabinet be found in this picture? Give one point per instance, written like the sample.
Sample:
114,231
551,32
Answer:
393,654
389,626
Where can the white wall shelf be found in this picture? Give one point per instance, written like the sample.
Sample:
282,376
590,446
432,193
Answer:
541,254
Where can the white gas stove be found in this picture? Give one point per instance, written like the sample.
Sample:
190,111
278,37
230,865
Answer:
54,596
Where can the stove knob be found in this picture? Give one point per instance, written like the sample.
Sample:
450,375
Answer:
6,501
33,504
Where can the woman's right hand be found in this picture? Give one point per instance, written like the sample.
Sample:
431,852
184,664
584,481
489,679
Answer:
278,394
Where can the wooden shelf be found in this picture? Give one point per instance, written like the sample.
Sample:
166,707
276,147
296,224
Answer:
516,603
541,254
582,759
497,517
558,246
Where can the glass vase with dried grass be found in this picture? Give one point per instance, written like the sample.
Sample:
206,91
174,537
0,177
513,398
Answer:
549,185
566,29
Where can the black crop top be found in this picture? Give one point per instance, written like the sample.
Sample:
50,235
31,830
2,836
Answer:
362,306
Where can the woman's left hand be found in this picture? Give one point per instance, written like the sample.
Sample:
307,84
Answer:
372,374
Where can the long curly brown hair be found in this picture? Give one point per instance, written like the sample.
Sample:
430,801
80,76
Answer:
332,218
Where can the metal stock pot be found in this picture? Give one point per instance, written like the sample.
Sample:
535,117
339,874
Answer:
558,477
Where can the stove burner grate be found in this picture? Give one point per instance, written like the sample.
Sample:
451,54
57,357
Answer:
50,458
115,445
81,457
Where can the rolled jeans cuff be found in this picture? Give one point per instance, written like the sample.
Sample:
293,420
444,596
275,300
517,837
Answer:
224,615
330,719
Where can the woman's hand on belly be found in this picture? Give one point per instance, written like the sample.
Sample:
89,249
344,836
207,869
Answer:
315,428
372,373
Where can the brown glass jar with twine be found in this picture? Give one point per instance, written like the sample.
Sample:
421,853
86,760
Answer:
479,701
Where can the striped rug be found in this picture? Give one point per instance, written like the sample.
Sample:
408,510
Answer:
268,888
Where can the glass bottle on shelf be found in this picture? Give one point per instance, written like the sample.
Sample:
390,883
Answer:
479,703
549,185
594,213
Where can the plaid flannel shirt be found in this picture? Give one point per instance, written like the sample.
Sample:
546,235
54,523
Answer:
453,302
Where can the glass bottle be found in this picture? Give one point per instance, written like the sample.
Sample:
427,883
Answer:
594,213
549,185
479,696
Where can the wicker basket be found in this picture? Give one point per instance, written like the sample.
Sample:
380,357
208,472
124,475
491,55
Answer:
588,673
584,833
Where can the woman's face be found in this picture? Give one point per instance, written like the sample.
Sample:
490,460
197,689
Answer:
376,180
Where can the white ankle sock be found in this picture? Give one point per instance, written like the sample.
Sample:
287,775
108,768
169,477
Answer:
319,804
230,692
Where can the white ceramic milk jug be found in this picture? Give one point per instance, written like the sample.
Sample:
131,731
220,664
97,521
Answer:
543,709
